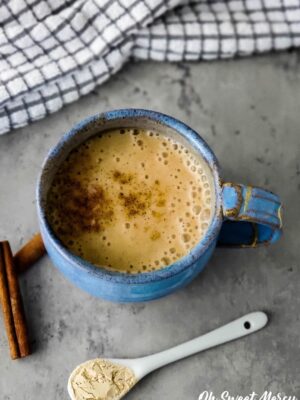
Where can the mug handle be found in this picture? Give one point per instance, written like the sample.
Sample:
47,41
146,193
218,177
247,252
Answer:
252,216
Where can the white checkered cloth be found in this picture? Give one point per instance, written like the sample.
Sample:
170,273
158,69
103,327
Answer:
54,51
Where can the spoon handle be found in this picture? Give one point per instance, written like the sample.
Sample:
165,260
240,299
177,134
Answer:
238,328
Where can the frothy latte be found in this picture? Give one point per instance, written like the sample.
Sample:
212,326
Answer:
131,200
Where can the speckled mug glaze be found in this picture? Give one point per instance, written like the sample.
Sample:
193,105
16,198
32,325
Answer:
244,216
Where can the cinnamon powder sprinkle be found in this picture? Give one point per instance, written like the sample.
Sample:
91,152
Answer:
136,203
82,209
122,177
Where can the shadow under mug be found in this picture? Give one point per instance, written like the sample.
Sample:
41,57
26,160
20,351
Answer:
244,216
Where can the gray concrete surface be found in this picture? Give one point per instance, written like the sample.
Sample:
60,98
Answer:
248,111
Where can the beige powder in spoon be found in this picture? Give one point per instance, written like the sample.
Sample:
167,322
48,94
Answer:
101,379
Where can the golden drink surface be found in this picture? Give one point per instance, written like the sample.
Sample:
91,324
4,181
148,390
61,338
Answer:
131,200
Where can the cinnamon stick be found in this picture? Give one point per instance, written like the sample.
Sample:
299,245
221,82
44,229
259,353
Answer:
16,301
7,311
30,253
10,295
12,305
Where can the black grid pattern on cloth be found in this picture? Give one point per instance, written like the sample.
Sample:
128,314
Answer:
52,52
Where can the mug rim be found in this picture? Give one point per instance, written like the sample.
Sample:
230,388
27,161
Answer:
196,142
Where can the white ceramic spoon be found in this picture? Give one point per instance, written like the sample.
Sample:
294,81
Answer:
238,328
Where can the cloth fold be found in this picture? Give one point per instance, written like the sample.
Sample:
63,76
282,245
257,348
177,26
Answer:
52,52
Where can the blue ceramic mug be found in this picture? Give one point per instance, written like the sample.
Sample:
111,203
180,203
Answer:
244,216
